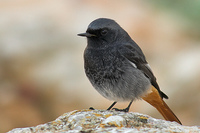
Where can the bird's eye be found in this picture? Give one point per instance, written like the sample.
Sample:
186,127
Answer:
104,32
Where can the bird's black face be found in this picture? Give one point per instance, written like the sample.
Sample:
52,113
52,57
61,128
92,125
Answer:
101,32
99,37
98,33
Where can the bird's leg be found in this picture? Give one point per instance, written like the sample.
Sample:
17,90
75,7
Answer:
111,105
91,108
124,110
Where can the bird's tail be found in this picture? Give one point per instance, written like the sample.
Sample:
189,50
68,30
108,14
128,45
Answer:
155,100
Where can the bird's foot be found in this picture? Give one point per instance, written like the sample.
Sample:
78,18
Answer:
122,110
91,108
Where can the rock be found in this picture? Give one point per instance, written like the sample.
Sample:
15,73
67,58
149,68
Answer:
86,121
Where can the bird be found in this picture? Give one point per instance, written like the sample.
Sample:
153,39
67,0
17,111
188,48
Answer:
117,68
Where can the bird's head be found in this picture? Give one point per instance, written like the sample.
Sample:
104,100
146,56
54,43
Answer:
103,32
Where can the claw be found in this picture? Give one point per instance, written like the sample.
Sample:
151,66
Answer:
123,110
91,108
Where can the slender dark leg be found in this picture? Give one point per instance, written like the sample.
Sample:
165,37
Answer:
124,110
111,105
91,108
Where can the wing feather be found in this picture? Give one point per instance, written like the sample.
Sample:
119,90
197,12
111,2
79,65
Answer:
135,55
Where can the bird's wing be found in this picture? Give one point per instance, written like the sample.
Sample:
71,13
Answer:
135,55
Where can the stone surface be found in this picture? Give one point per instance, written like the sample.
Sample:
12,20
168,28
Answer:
99,121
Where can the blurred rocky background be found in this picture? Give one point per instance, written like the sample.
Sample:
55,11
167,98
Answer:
41,56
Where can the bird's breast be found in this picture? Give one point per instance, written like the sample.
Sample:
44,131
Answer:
113,76
101,65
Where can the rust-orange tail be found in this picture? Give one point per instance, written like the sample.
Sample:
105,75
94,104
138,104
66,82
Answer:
155,100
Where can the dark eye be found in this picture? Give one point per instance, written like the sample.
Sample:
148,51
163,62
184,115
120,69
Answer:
104,32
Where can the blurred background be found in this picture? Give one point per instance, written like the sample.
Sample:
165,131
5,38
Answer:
41,56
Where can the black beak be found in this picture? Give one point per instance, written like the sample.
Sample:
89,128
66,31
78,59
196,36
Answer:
86,35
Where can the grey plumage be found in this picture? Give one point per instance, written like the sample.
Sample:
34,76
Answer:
118,70
115,64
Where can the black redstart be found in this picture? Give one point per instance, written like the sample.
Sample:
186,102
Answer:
117,68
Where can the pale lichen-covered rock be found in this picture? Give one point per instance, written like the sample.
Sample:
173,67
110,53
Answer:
99,121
